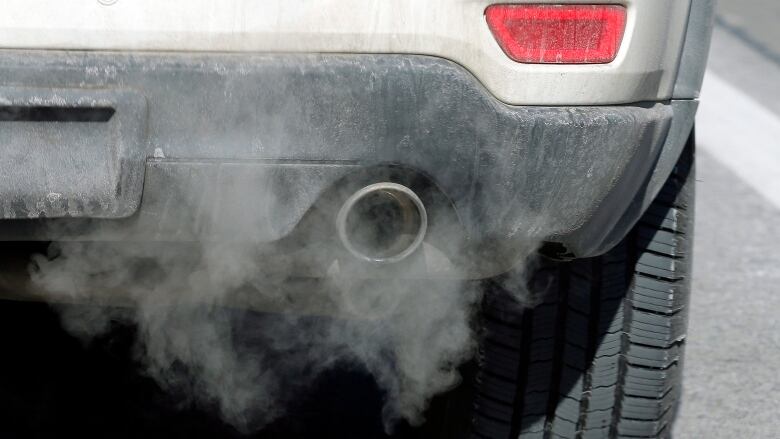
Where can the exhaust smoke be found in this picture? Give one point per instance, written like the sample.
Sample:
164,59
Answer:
198,335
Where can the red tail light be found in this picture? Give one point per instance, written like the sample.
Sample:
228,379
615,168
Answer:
558,34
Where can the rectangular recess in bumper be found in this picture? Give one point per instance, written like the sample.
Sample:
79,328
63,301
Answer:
74,152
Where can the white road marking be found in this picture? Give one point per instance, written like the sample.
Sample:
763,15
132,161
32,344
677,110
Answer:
742,134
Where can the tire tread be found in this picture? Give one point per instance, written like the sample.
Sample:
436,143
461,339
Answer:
601,356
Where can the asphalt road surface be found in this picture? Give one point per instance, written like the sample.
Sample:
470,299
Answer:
731,382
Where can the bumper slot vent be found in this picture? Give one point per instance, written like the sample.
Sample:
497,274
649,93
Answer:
18,113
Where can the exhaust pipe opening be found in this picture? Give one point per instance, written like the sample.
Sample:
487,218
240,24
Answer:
382,223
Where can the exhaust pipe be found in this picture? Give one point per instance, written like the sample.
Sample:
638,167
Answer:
382,223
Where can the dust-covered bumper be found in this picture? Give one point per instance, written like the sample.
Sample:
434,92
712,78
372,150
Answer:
195,141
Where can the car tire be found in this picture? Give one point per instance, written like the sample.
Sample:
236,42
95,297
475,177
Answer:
601,355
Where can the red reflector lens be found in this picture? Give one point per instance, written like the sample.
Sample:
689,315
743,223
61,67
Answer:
559,34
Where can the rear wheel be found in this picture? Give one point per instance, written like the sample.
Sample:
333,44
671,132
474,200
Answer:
601,356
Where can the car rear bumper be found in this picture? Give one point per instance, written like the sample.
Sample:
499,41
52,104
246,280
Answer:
211,146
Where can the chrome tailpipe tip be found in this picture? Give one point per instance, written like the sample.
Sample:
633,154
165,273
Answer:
382,223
